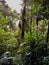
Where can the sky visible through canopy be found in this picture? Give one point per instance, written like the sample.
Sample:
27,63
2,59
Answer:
15,4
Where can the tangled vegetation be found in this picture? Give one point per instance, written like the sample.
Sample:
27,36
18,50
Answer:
27,42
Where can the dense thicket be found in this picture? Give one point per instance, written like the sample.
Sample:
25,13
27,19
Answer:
28,42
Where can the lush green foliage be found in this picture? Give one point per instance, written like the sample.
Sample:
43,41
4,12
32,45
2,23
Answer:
33,49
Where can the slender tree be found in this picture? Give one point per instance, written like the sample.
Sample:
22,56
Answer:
23,18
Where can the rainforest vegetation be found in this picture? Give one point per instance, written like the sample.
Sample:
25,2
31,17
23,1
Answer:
26,43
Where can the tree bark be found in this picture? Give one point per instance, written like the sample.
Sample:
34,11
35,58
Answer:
23,19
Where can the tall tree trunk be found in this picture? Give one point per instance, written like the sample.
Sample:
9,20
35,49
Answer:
31,20
23,19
